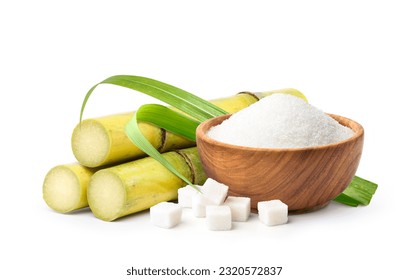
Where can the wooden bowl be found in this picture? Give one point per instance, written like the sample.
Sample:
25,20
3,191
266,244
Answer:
304,178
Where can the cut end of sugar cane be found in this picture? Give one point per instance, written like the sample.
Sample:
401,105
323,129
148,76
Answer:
107,195
65,187
90,143
102,141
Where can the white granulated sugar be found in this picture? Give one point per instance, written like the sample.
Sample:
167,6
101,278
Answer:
280,121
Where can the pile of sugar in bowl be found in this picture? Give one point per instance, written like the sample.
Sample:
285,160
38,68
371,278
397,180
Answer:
280,121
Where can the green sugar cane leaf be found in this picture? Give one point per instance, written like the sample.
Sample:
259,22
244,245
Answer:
358,192
344,199
188,103
361,190
168,119
138,139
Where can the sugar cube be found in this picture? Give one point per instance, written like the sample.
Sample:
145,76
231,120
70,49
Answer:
272,212
240,208
185,195
199,203
218,217
214,191
166,214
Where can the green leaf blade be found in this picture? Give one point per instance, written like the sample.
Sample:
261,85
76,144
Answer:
169,120
359,192
180,99
182,94
345,199
84,103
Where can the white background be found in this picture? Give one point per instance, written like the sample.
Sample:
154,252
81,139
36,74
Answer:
348,57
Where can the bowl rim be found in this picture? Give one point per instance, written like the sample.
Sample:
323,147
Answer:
202,135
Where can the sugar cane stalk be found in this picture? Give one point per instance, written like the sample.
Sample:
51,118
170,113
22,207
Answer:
135,186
